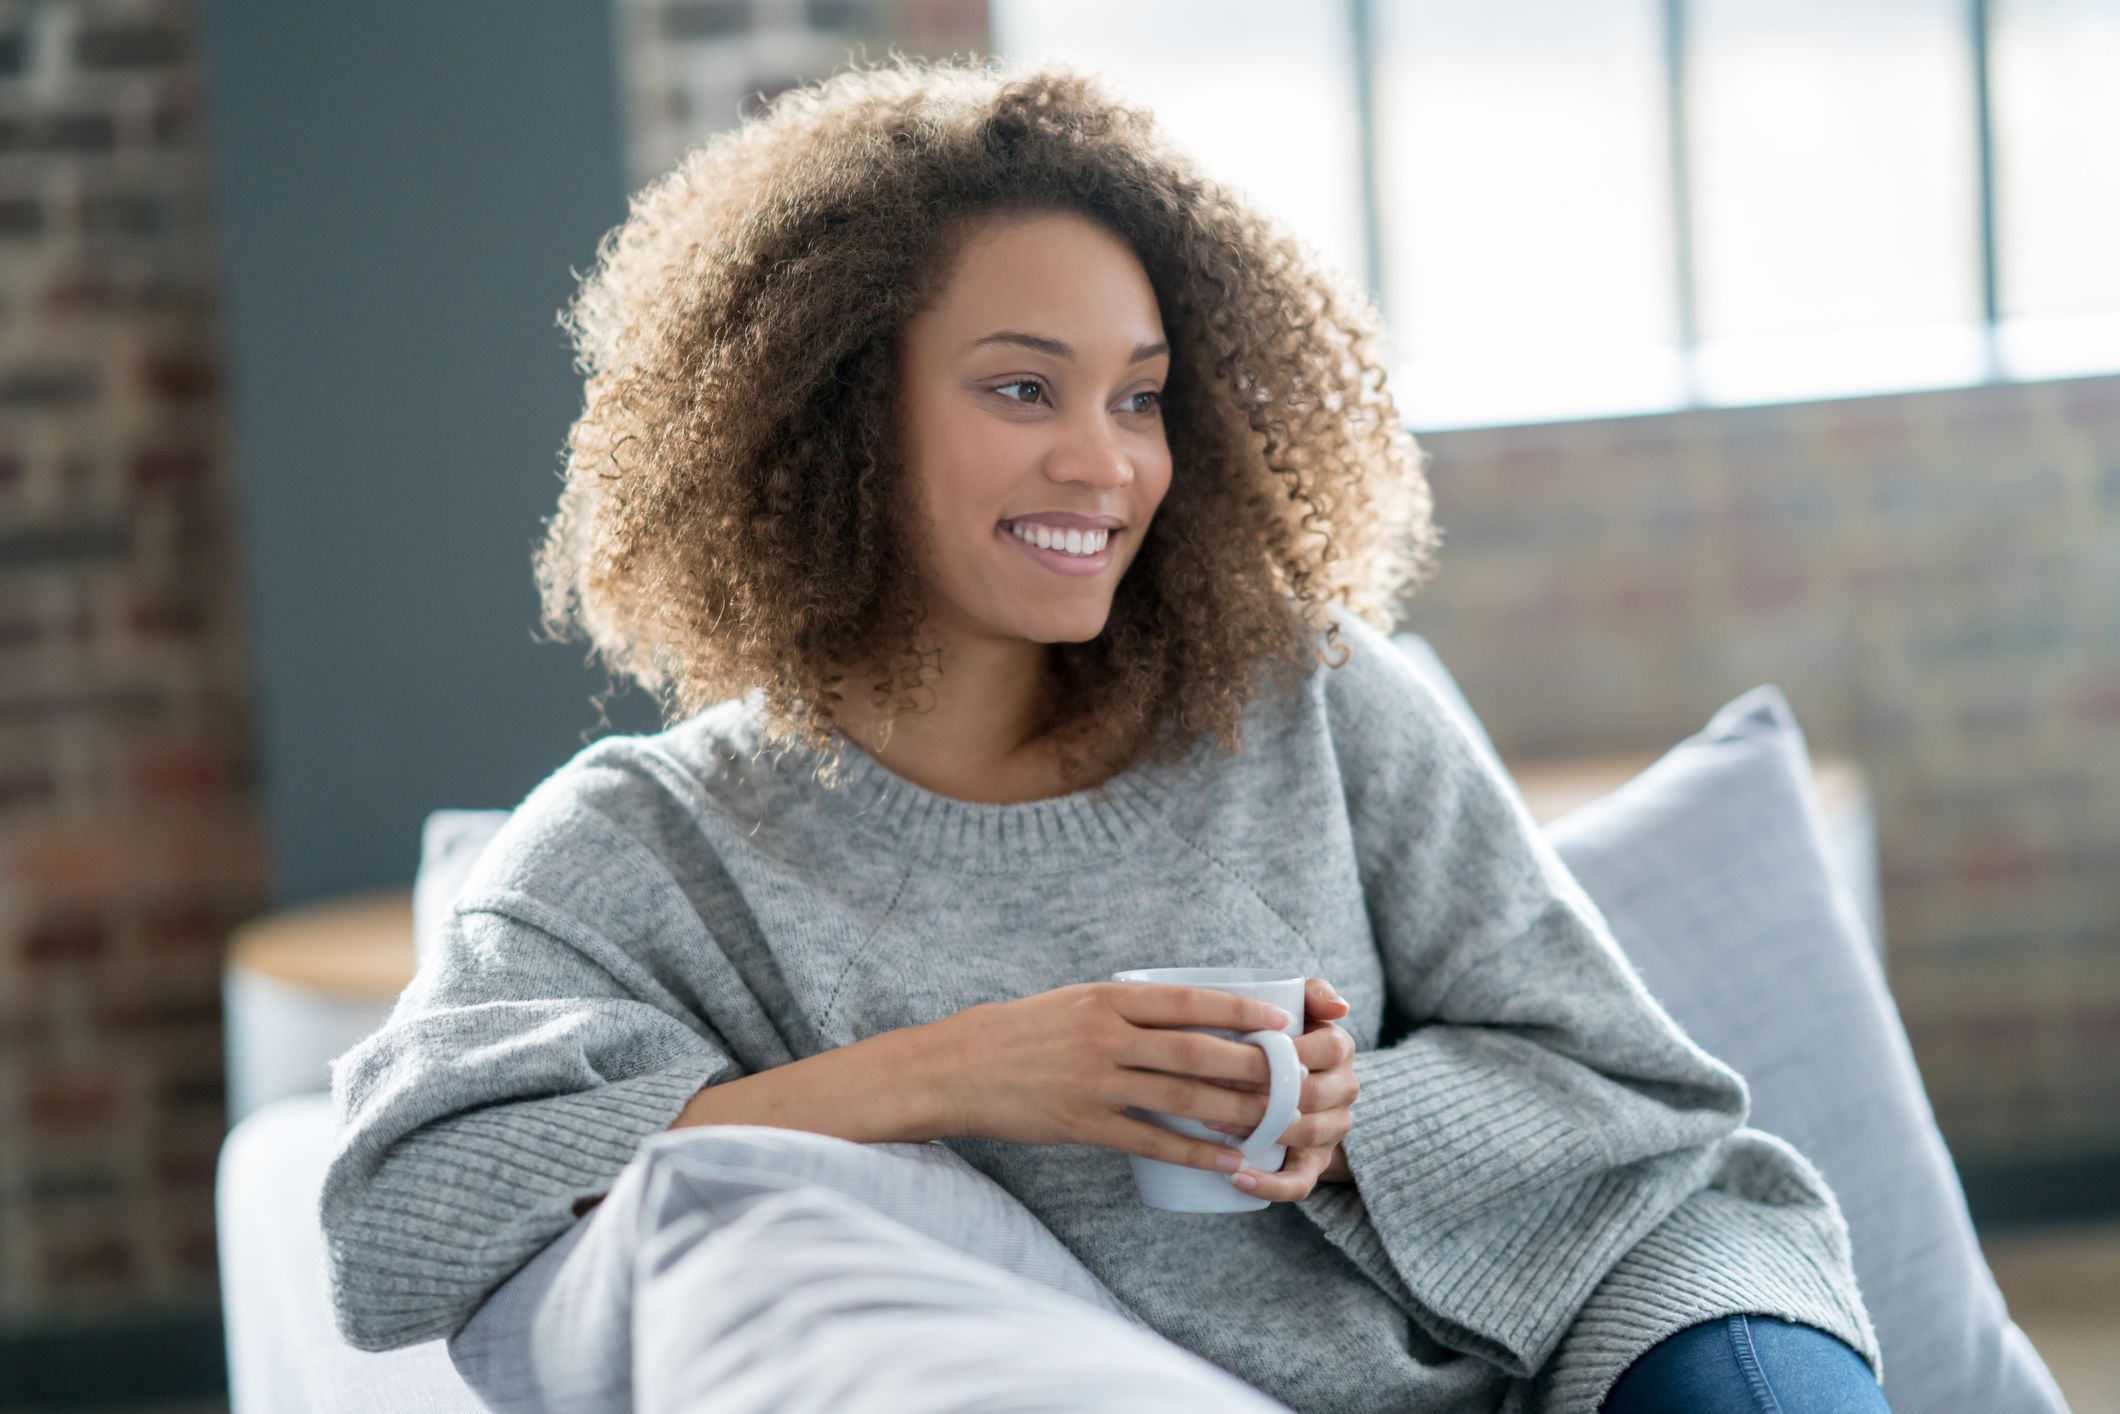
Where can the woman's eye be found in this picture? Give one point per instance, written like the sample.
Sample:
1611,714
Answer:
1155,393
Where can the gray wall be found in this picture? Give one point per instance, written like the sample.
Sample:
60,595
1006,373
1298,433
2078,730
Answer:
403,189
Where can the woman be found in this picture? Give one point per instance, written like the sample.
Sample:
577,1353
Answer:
963,388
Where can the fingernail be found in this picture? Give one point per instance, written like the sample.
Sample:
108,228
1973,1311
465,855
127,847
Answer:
1275,1016
1229,1161
1245,1181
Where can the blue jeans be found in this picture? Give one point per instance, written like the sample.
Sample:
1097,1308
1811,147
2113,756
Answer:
1747,1365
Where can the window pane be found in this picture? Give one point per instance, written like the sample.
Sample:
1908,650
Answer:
1526,204
2055,83
1832,150
1259,91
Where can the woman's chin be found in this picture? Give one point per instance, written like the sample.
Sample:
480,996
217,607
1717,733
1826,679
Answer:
1046,625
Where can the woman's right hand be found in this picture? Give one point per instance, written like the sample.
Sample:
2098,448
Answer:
1061,1067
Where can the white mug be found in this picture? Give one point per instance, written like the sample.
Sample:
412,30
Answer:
1182,1188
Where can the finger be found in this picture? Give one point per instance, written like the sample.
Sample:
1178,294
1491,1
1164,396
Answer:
1151,1141
1300,1134
1233,1084
1194,1054
1181,1095
1298,1175
1325,1047
1324,1113
1322,1094
1161,1004
1318,996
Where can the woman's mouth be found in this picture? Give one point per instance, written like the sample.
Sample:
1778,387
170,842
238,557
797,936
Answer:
1055,555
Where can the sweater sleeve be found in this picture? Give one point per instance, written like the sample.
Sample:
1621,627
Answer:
515,1076
1538,1113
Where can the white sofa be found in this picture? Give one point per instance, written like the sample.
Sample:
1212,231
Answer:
1712,868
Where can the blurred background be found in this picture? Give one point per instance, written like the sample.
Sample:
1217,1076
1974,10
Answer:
1753,341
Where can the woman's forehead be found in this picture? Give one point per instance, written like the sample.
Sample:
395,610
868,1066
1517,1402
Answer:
1063,280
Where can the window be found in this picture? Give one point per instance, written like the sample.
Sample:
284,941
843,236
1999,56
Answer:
1835,197
2057,178
1572,208
1255,89
1525,222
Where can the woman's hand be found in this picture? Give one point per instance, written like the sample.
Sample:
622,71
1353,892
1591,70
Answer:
1063,1066
1322,1119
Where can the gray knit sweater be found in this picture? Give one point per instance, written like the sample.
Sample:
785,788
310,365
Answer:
1549,1175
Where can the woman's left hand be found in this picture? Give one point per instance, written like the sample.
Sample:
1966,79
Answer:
1322,1113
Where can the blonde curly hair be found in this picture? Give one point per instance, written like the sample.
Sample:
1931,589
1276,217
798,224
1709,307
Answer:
731,518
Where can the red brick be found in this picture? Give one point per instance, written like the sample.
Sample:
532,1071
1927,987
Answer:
170,615
1988,411
63,1104
2090,400
2095,1027
194,1251
1647,594
183,774
1867,432
186,1094
73,860
75,292
159,467
944,18
2096,703
192,1172
68,1266
223,850
24,788
179,377
2001,864
63,938
173,125
191,930
27,1027
1768,587
195,1003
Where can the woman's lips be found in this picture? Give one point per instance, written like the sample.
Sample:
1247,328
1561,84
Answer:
1058,561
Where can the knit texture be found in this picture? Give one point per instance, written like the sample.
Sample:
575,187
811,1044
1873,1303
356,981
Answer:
1549,1175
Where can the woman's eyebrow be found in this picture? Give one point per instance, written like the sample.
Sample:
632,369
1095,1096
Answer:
1057,349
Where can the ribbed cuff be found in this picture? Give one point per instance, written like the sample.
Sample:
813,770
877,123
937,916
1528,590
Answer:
411,1259
1757,1243
1483,1204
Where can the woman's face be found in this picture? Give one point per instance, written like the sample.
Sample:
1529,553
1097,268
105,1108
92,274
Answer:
1031,393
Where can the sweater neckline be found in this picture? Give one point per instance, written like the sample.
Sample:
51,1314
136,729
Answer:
1096,822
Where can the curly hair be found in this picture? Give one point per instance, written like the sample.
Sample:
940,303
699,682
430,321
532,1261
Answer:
731,518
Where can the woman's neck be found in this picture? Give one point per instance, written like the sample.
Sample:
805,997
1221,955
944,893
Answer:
981,735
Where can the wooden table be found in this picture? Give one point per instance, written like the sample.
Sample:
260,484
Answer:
303,985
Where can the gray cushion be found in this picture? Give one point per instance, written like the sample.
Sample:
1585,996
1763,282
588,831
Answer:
1710,868
450,843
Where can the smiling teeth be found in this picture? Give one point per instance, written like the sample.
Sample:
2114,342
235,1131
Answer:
1068,542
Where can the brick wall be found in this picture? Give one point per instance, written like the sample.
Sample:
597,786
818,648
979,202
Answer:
129,842
1934,581
691,67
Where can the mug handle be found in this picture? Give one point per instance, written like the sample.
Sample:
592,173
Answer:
1284,1092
